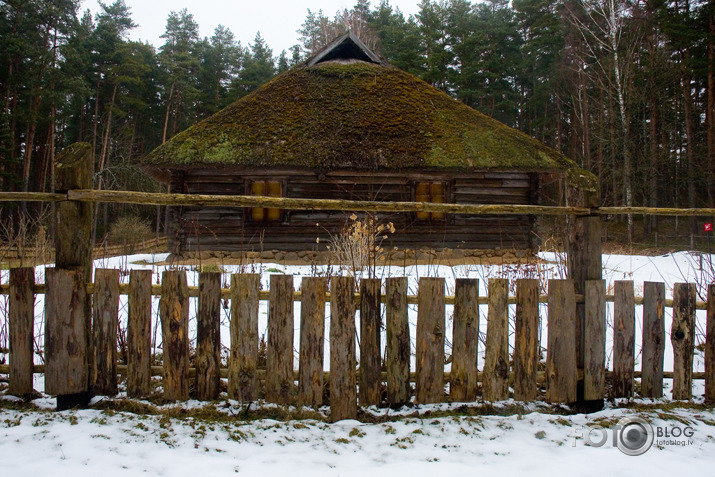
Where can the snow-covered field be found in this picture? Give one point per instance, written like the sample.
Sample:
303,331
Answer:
119,437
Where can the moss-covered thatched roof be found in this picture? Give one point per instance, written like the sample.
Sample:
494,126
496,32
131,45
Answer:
353,114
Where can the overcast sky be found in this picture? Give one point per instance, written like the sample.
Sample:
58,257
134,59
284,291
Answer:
277,20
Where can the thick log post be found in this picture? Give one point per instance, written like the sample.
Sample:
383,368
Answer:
526,349
653,339
22,322
561,370
496,360
312,337
74,169
243,361
430,341
465,340
594,371
208,337
397,355
624,322
104,331
710,346
67,370
584,263
139,334
343,392
279,348
682,336
370,357
174,313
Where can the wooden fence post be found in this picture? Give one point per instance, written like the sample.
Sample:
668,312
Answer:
561,359
67,370
74,169
430,341
710,346
398,341
21,332
279,348
682,336
370,356
243,361
624,322
343,392
174,313
465,340
208,337
139,334
526,349
584,263
496,360
104,331
653,339
594,370
312,336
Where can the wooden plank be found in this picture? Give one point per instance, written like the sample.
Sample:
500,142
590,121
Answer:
682,336
710,346
465,339
66,353
104,331
279,351
174,313
624,337
139,334
397,358
343,392
653,339
594,369
495,380
370,356
243,361
312,337
21,330
430,341
526,347
561,365
208,337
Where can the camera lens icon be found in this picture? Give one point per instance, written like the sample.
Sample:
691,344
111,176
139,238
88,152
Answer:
634,436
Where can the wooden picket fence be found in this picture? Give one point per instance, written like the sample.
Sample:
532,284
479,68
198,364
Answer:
72,358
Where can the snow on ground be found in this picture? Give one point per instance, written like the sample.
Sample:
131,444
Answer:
121,437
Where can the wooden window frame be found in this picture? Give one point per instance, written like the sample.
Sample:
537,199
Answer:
431,217
249,216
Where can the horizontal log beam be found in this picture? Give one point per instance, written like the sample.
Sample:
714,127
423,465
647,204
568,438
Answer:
297,296
159,371
31,197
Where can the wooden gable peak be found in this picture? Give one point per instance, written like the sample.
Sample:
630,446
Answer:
346,47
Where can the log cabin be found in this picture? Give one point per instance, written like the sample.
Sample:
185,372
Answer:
346,124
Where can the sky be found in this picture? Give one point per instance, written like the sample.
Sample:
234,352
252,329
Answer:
277,20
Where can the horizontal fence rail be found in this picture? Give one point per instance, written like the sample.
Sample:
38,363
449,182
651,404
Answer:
382,375
151,198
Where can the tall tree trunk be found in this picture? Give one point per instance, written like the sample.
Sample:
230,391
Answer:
710,112
168,111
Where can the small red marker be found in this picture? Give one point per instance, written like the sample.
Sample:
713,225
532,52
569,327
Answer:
708,227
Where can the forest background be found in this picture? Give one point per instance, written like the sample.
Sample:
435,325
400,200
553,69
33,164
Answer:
625,88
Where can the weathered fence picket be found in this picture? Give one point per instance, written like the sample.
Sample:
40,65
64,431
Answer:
105,314
279,350
430,341
495,383
243,360
710,346
653,340
526,348
594,371
624,338
21,327
397,354
208,337
139,334
682,336
343,392
561,369
370,356
465,339
312,335
174,314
